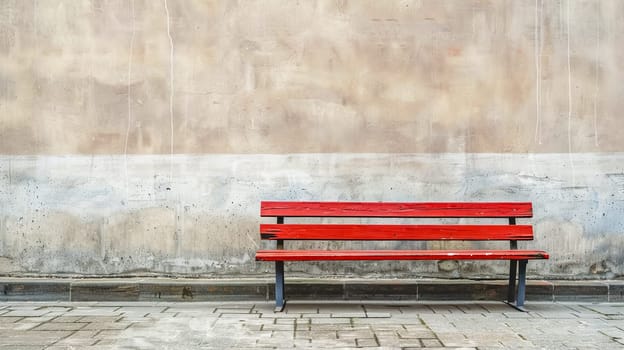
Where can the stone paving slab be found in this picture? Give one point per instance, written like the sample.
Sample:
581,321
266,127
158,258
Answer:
311,325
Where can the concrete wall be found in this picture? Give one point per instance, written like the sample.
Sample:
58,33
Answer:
138,137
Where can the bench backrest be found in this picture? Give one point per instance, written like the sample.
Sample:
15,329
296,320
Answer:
282,231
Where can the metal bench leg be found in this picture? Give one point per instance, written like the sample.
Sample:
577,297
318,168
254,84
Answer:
511,287
279,286
521,282
517,300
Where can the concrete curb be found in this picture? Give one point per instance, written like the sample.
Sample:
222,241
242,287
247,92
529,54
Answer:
165,289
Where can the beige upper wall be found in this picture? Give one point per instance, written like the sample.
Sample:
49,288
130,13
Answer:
310,76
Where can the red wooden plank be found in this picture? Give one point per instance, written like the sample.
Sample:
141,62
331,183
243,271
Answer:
397,210
321,255
395,232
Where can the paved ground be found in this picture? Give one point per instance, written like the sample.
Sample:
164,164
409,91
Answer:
235,325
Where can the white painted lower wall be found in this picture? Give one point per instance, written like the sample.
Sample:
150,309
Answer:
199,214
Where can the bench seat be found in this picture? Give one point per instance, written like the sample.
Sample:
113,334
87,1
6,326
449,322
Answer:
323,255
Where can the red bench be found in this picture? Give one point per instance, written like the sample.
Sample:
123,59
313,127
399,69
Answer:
511,232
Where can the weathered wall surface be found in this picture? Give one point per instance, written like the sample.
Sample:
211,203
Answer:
123,215
140,136
311,76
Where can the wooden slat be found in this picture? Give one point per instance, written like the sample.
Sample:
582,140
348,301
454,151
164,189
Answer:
395,232
397,210
322,255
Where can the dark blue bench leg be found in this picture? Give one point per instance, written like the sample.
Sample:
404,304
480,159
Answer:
511,287
521,282
513,299
279,286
